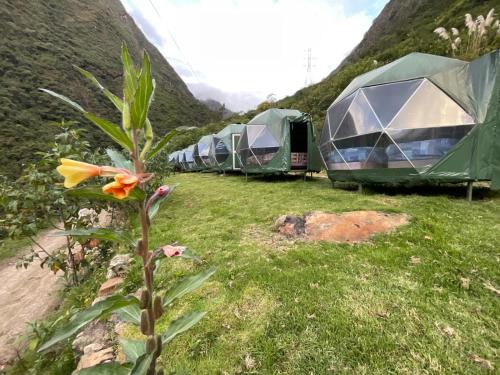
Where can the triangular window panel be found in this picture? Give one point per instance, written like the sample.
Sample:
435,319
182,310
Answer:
253,132
386,154
337,112
264,140
359,119
325,134
332,158
386,100
430,107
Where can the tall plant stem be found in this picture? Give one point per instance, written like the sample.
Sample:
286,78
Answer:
144,248
71,257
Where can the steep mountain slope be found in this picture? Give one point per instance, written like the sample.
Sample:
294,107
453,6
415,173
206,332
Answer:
40,42
402,27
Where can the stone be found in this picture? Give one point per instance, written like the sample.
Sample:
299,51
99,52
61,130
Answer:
118,265
348,227
95,358
95,334
109,286
92,348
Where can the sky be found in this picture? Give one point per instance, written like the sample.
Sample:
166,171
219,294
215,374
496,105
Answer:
241,51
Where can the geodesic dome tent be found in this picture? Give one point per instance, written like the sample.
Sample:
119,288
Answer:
222,153
278,140
200,152
421,117
173,158
188,163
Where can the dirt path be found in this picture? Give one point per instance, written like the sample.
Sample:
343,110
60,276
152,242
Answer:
25,295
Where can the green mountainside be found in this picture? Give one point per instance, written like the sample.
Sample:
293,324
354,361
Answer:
41,40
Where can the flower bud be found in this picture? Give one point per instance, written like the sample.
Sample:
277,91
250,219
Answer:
150,345
159,344
145,299
157,307
160,372
145,322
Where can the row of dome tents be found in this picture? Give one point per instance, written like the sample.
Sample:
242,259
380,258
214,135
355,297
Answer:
419,118
274,141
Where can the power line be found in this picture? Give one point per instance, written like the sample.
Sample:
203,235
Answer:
186,61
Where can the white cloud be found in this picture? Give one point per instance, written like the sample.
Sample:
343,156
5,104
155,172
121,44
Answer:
253,46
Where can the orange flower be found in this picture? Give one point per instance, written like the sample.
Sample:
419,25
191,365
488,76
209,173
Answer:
75,172
121,187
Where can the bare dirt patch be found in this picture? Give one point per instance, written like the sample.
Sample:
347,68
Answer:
347,227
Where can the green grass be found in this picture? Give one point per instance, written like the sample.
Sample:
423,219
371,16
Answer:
317,308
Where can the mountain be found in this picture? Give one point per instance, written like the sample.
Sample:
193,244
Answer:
41,40
218,107
402,27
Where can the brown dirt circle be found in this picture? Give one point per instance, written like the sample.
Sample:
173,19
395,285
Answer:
347,227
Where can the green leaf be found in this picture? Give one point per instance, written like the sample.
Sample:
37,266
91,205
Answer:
133,349
100,233
95,193
129,76
143,95
155,207
111,368
142,364
188,254
112,97
100,309
119,160
181,324
186,285
112,130
162,143
130,314
64,99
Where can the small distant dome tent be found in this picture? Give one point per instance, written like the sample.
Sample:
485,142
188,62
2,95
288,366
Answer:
173,159
278,141
200,152
188,162
421,117
222,153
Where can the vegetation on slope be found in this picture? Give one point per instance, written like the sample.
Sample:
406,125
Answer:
40,42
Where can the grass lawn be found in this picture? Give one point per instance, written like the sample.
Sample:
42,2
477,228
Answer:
279,307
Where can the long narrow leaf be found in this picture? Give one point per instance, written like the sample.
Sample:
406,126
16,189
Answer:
130,314
112,130
64,99
100,233
133,349
100,309
181,324
186,285
142,364
143,95
96,193
162,143
129,76
108,94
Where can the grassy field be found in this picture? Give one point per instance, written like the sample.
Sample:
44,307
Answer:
418,301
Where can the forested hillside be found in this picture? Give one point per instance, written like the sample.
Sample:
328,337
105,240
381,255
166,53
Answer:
41,40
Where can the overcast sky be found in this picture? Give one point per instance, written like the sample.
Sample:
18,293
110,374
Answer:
243,50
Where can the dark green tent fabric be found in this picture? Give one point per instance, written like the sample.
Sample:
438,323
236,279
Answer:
270,140
221,156
420,118
200,152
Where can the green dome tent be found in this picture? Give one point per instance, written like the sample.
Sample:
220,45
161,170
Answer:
188,163
173,159
222,153
278,141
421,117
200,151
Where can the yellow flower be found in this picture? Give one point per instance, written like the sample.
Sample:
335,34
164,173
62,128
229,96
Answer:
121,187
75,172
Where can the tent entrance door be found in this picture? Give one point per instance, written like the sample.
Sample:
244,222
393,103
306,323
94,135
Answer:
235,139
298,145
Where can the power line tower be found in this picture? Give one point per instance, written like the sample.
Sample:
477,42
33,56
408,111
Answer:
309,66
